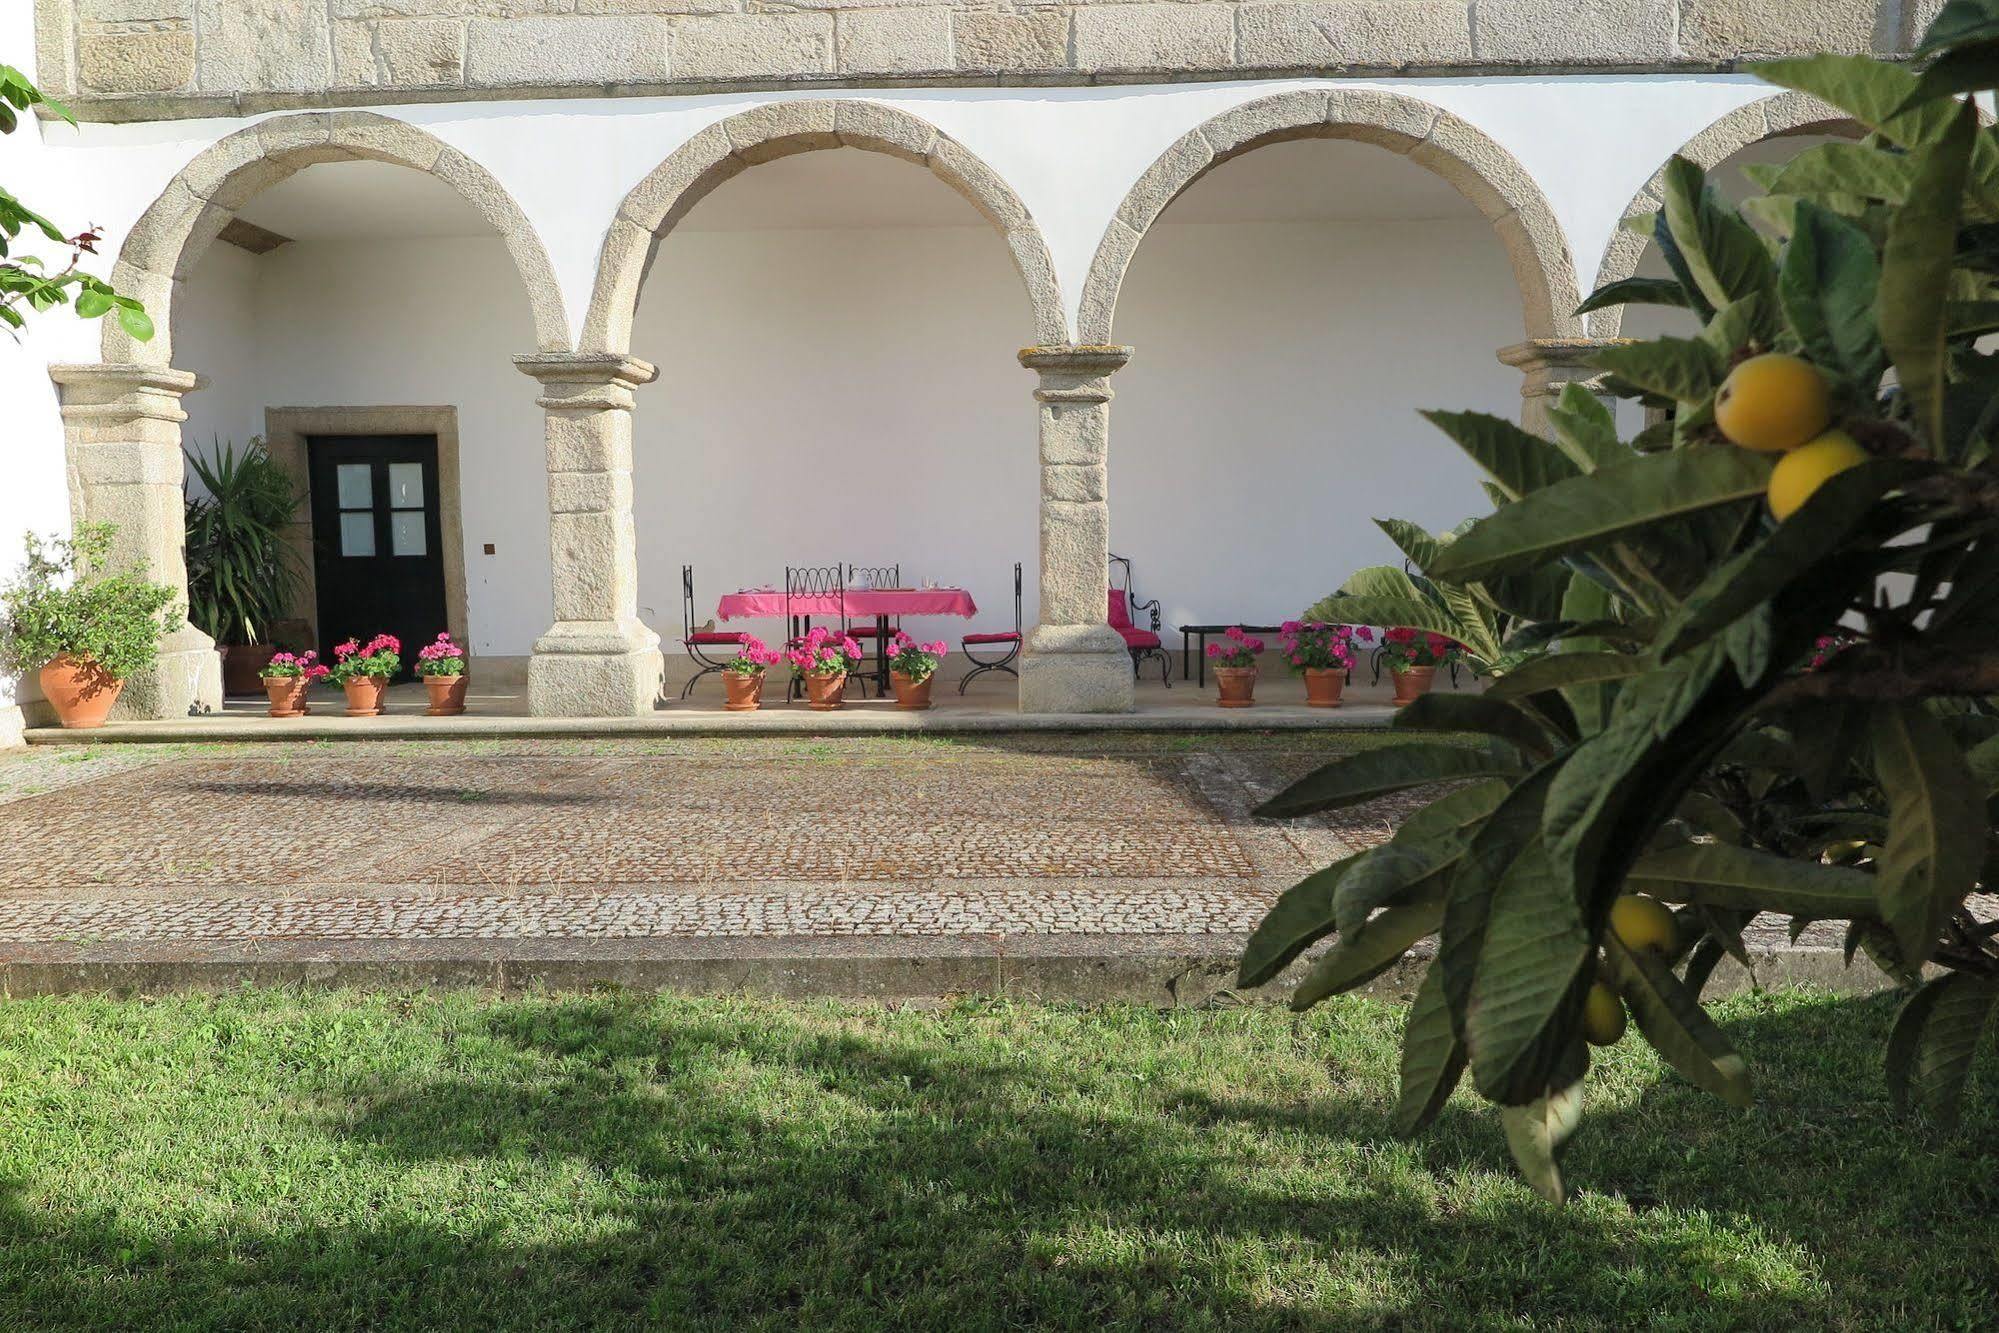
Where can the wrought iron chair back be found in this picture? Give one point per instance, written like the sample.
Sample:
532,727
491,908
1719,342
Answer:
1121,581
698,643
801,581
1010,650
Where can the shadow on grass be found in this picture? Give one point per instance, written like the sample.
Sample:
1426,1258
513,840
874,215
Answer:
742,1169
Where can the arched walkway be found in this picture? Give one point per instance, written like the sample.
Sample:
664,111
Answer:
172,234
1479,169
1786,113
781,129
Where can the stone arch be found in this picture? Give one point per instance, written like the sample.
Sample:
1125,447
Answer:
1478,168
1769,118
178,227
780,129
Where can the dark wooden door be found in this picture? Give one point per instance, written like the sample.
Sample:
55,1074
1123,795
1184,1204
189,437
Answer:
376,539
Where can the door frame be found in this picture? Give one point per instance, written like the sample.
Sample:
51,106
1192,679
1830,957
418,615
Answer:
285,433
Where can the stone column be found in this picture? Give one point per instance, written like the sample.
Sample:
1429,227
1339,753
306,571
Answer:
598,659
1073,661
1548,366
121,426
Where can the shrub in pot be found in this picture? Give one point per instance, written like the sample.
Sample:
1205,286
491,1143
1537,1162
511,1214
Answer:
288,679
84,627
912,668
820,661
241,576
743,675
1233,658
441,663
1323,654
363,671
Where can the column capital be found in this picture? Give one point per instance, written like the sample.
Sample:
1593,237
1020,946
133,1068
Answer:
1074,374
1550,364
586,380
123,391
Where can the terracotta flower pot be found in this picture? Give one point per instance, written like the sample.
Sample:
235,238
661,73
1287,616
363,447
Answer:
364,695
826,692
447,695
1237,686
742,693
912,694
81,691
1323,686
243,666
1412,683
287,695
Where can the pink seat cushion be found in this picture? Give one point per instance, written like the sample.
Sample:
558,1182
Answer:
865,631
1139,638
1007,637
1120,612
716,636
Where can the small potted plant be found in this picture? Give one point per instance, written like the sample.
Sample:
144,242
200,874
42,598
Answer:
363,671
441,663
1233,657
288,678
821,659
1323,654
84,628
913,668
743,675
1413,658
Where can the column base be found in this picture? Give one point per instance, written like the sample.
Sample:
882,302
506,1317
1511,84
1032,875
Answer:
1076,669
184,681
587,670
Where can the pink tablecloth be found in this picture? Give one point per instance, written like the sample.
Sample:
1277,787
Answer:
873,602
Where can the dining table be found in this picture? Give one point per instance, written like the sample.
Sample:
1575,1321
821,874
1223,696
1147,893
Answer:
884,604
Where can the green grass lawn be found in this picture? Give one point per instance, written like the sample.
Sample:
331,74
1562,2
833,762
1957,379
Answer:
274,1159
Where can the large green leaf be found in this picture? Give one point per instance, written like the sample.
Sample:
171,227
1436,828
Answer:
1846,168
1586,429
1720,875
1364,776
1300,918
1512,825
1478,713
1983,761
1535,1133
1959,22
1674,1023
1433,1059
1421,613
1454,811
1727,259
1936,826
1827,288
1683,369
1358,958
1529,979
1915,274
1519,461
1614,502
1412,539
1399,874
1636,291
1791,551
1934,1040
1873,92
1563,671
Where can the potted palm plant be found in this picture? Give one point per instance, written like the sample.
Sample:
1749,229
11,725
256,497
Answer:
241,577
83,627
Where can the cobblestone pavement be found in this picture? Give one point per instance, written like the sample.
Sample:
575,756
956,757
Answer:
691,838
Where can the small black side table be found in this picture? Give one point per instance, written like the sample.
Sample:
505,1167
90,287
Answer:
1193,637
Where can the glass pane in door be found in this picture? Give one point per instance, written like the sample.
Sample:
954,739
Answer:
357,534
355,484
406,536
405,486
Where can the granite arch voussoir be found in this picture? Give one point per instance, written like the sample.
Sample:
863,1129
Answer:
1464,157
780,129
163,245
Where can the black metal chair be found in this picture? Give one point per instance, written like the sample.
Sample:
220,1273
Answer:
695,641
1123,606
801,581
1010,641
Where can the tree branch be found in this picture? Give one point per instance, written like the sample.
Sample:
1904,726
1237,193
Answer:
1869,674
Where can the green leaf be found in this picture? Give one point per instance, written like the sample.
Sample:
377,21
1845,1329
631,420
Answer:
1356,959
1872,91
1433,1059
1636,291
1412,540
1828,285
1454,811
1529,978
1683,369
1561,671
1936,1035
1721,875
1519,461
1973,70
1960,21
1915,275
1727,259
1398,874
1792,550
1586,429
1477,713
1847,168
1936,826
1301,916
1514,823
1535,1133
1419,614
1613,502
91,304
1360,777
1674,1023
136,323
1983,761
